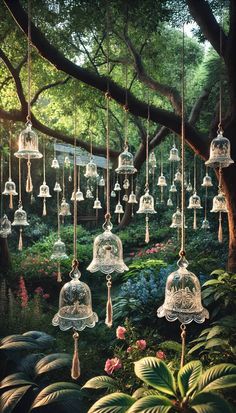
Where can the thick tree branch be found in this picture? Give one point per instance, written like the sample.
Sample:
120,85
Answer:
197,107
46,87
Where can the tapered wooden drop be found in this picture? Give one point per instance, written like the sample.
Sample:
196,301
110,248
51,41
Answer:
147,234
20,244
109,309
11,202
220,230
75,368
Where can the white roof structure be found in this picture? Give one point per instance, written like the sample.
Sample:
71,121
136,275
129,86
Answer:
82,156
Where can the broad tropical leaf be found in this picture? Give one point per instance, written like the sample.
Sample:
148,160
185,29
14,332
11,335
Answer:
141,392
214,331
44,340
151,404
210,403
155,373
196,347
13,337
27,364
52,362
113,403
12,397
12,381
101,382
188,377
20,345
215,342
57,392
218,377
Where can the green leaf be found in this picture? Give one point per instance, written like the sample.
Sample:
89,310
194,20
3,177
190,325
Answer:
196,347
151,404
215,342
212,282
113,403
210,403
188,377
11,398
60,392
52,362
101,382
214,331
218,272
155,373
19,345
218,377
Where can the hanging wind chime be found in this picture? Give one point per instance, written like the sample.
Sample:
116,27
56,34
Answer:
10,186
194,200
5,224
44,188
64,207
55,163
161,180
20,216
207,183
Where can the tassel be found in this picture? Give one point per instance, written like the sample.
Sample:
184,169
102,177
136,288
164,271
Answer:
20,244
44,207
109,310
161,194
194,218
59,279
118,218
147,235
29,184
75,369
132,209
220,230
11,202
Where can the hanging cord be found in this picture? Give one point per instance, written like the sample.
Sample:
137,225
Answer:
126,108
182,252
29,61
195,190
147,143
220,129
44,179
183,339
220,229
9,165
75,202
20,243
1,179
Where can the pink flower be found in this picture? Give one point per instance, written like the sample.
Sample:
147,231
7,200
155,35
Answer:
112,365
46,296
22,292
161,355
132,254
141,344
129,349
38,290
120,332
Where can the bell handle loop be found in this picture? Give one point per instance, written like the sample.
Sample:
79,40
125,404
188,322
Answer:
183,343
28,121
74,270
220,128
75,368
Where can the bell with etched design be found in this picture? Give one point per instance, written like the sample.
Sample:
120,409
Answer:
91,170
20,217
28,144
219,152
97,204
174,154
57,187
64,208
59,250
5,227
126,183
207,182
44,191
126,163
113,194
119,209
194,202
117,187
173,188
161,181
219,203
10,188
178,177
55,164
205,224
132,198
146,204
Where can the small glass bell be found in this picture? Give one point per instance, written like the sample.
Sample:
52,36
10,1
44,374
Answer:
117,187
219,152
183,297
178,177
132,198
101,181
126,163
169,202
152,160
113,194
173,188
189,187
97,204
126,183
107,253
75,305
28,144
57,187
67,162
207,182
91,170
79,195
194,202
219,203
5,227
205,224
174,154
119,209
20,217
10,188
44,191
59,250
161,181
64,208
89,194
55,164
176,219
146,204
125,198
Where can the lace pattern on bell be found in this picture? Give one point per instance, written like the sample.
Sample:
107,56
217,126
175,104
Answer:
78,325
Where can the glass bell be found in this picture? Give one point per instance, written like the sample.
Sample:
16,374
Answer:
174,154
57,187
207,182
173,188
194,202
176,219
79,195
59,250
183,297
126,183
64,208
146,204
107,253
219,152
5,227
55,164
126,163
10,188
20,218
28,144
132,198
219,203
161,181
91,170
97,204
205,224
189,187
119,209
101,181
178,177
44,191
169,202
89,194
113,194
117,186
67,162
125,198
152,160
75,306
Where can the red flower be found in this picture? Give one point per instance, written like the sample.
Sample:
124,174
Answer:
112,365
160,355
46,296
141,344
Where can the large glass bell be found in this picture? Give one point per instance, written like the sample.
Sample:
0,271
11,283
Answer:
173,188
44,191
97,204
28,144
64,208
176,219
126,163
178,177
107,253
146,204
101,181
183,297
59,250
152,160
5,227
207,182
57,187
219,203
205,224
194,202
75,306
161,181
117,187
132,198
55,164
10,188
174,154
20,217
119,209
219,152
91,170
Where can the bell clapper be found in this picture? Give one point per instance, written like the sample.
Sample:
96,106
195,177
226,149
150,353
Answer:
109,310
11,201
194,218
183,338
44,207
75,369
20,244
59,279
220,230
29,184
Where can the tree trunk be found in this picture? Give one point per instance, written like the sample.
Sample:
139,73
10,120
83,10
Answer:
5,260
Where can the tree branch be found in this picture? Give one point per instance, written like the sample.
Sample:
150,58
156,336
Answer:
46,87
197,107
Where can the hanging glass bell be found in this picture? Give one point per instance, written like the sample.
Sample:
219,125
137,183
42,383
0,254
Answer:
107,253
169,202
173,188
205,224
119,209
126,163
219,152
97,204
117,186
126,183
55,164
152,160
161,181
89,194
113,194
64,208
59,250
178,177
194,202
132,198
44,191
10,188
146,204
189,187
5,227
101,181
79,195
219,203
183,297
20,218
57,187
67,162
75,306
174,154
207,182
176,219
125,198
91,170
28,144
